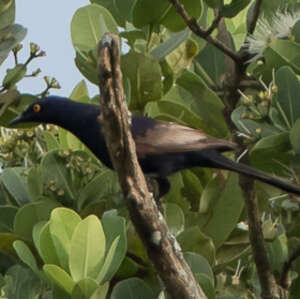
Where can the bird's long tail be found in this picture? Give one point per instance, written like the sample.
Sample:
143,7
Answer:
219,161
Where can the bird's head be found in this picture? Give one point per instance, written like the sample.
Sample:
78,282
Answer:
46,110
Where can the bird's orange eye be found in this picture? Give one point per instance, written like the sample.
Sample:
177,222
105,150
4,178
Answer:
37,108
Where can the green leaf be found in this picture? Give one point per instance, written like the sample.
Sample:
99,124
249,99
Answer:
144,74
62,224
88,25
270,153
36,235
132,288
86,63
235,6
295,136
206,285
169,45
48,251
108,263
174,217
35,183
15,184
13,76
6,242
80,93
192,239
7,13
87,249
30,214
84,289
226,212
51,141
21,283
125,8
10,36
26,255
288,93
59,277
199,264
101,292
114,228
162,12
283,52
54,169
7,216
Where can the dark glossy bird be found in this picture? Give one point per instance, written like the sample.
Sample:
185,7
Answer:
162,147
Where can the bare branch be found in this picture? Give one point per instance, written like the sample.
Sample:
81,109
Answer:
162,247
194,26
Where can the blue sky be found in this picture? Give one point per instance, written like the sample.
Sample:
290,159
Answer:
48,24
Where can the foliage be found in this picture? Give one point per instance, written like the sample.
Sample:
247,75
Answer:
52,188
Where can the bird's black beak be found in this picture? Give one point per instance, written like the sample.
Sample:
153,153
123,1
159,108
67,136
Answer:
16,120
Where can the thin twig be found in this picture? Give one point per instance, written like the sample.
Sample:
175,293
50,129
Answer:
255,15
195,27
149,223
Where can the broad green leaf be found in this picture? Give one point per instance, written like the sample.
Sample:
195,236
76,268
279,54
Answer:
87,249
80,93
54,169
51,141
132,288
271,153
112,7
10,36
30,214
162,12
174,217
169,45
62,224
199,264
235,6
7,12
84,289
295,136
206,102
86,63
108,263
283,52
14,75
59,277
125,8
91,192
15,184
35,183
21,283
226,212
288,93
36,235
144,74
206,285
26,255
101,292
213,61
7,216
48,251
6,242
88,25
114,228
249,126
192,239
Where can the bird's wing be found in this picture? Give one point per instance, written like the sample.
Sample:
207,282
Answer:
167,137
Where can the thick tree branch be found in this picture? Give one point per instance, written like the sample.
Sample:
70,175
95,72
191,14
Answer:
205,34
255,15
162,247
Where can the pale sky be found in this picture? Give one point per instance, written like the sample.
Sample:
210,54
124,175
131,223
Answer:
48,25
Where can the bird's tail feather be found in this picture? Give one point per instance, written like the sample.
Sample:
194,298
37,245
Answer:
220,161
